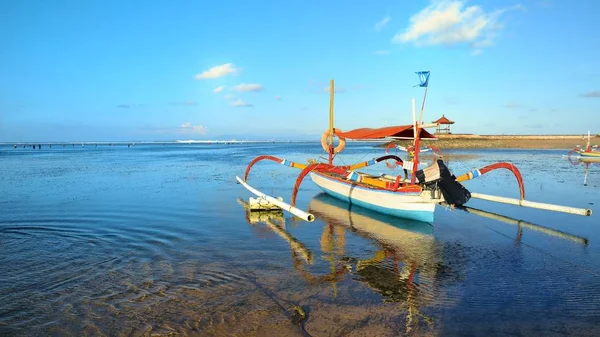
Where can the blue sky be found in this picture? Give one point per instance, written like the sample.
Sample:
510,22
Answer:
160,70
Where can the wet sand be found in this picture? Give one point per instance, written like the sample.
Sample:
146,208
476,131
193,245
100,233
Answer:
566,142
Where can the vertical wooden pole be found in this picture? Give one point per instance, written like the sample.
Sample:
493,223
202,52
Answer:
331,91
418,133
415,144
588,148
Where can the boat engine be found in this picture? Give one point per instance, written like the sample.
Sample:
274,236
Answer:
438,176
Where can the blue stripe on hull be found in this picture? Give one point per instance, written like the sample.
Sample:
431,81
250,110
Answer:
414,215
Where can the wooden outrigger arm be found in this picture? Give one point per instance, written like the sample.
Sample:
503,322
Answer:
303,166
512,168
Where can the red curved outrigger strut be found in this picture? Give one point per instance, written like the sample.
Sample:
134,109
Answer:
476,173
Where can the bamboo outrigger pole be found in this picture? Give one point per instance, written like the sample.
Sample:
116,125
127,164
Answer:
284,206
533,204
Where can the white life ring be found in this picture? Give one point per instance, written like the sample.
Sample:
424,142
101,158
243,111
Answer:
336,149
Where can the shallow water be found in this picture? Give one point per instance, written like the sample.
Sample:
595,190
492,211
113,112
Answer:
152,239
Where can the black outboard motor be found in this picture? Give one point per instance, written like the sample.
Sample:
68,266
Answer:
438,175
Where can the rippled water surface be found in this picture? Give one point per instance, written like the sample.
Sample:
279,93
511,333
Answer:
154,239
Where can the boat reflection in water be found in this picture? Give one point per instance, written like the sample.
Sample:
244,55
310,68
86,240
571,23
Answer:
275,221
414,274
405,269
587,162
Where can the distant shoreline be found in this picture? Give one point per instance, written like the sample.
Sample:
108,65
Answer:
452,141
458,141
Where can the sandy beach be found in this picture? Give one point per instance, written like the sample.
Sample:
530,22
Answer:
509,141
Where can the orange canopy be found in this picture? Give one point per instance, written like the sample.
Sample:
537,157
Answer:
401,131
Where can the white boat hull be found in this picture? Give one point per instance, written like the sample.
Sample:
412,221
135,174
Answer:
593,154
410,205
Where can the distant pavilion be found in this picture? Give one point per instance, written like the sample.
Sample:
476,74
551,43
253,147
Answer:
443,126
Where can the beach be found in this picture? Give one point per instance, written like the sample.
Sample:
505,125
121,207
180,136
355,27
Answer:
459,141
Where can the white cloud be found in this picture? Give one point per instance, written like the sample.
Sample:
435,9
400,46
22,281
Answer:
188,128
228,97
218,89
451,23
241,104
218,71
278,98
199,129
379,25
248,87
382,52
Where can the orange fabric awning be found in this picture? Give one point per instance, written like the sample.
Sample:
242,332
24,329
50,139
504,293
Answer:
400,131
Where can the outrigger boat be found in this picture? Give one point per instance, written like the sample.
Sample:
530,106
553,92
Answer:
589,151
413,195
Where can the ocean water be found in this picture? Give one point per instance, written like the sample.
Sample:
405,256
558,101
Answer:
154,239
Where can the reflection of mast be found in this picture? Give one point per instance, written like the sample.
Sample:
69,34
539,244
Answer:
411,252
404,270
333,235
587,162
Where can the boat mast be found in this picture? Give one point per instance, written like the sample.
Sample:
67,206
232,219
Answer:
331,91
415,144
588,148
417,131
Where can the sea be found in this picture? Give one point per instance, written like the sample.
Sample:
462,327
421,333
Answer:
156,239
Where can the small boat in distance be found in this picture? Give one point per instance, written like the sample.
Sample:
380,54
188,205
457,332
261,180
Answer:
589,151
412,195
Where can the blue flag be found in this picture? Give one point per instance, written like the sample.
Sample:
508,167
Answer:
424,78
